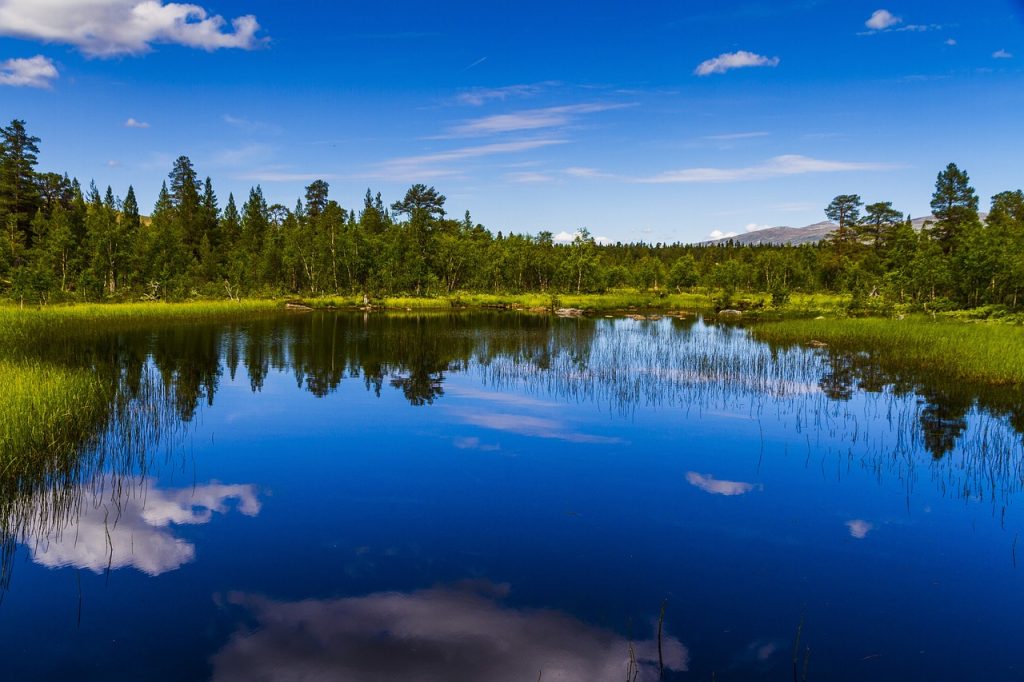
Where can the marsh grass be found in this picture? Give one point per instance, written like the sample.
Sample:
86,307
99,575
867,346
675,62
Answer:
45,411
620,299
977,353
22,328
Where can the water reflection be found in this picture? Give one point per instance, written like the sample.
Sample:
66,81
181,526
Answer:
118,523
527,371
710,484
443,633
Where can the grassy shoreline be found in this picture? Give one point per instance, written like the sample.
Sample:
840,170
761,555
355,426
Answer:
45,402
975,352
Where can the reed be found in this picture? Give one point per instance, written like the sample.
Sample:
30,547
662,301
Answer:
983,353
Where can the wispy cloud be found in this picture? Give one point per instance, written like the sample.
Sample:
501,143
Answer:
790,164
882,19
529,178
242,156
735,136
476,63
32,72
533,427
434,165
583,172
1001,54
479,96
530,119
248,125
107,28
135,123
734,60
710,484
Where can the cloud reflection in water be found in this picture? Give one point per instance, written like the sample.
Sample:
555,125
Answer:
710,484
443,634
130,526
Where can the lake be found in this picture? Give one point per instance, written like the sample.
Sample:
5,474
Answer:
504,496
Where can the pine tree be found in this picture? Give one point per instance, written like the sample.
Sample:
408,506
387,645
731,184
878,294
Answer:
185,199
19,195
844,211
955,207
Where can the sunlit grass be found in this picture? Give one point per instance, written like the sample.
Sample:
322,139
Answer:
985,353
20,328
43,409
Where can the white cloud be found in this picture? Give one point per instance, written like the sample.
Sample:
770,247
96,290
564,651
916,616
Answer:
754,227
33,72
134,123
710,484
530,119
951,42
790,164
456,634
1001,54
859,528
882,19
718,234
563,237
129,527
105,28
734,60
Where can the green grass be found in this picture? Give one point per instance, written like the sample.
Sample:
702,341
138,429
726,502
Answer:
972,352
20,328
625,299
45,411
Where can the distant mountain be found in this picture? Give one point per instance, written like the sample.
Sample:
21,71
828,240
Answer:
810,234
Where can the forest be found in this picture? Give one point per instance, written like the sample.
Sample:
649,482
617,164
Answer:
63,242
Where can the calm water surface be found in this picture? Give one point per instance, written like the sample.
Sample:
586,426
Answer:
511,497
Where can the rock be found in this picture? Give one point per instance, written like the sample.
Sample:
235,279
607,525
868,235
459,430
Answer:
569,312
729,312
817,344
293,305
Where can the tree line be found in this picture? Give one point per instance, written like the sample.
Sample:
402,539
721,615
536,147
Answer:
63,242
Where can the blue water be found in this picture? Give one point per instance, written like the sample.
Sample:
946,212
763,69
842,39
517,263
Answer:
525,510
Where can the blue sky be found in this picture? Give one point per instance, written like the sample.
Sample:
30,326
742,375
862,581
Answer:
655,121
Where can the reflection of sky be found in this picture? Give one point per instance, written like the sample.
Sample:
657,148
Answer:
375,497
435,634
859,528
130,526
710,484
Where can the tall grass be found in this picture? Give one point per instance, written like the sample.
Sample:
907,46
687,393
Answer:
45,411
977,353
